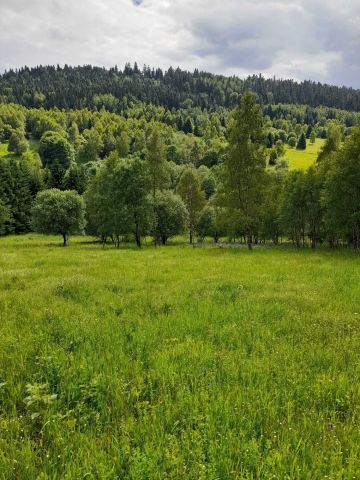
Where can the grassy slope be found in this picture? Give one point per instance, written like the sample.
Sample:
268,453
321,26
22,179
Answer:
178,363
4,153
303,159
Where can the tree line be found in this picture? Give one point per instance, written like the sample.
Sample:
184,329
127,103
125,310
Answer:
79,87
134,190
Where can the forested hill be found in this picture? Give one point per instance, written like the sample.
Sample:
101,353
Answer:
77,87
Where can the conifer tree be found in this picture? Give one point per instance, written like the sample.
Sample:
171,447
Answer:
301,145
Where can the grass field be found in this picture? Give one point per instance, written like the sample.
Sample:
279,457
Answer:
303,159
4,153
178,362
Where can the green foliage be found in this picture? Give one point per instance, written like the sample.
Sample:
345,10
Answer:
156,161
293,208
301,211
58,212
225,151
341,193
122,144
91,148
57,154
211,222
116,89
16,194
117,199
273,157
280,149
244,166
18,143
170,216
207,180
190,191
292,142
301,145
332,142
5,216
75,178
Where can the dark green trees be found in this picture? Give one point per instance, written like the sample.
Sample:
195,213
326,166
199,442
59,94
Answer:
301,145
4,217
57,154
16,195
342,193
17,142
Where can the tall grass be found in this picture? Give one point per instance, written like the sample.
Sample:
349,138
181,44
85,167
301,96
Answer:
177,362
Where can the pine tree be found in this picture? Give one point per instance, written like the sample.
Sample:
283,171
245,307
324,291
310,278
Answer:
188,126
301,145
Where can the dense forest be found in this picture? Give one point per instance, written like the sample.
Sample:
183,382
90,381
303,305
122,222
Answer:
124,155
79,87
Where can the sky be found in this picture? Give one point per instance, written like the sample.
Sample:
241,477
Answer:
300,39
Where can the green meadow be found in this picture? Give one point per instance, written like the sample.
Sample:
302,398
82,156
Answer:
178,362
4,152
303,159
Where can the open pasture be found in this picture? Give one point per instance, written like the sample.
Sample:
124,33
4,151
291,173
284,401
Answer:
303,159
178,362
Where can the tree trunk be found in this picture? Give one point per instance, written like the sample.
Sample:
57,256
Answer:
163,239
65,239
191,237
357,239
137,236
249,241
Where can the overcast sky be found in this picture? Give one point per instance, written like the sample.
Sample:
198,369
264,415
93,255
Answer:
301,39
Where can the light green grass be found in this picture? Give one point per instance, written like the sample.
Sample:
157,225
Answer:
178,362
303,159
4,152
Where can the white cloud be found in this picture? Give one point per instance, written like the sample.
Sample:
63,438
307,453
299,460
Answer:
302,39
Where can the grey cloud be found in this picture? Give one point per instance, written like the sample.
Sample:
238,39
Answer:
315,39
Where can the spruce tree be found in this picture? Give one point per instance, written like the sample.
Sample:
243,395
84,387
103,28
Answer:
301,145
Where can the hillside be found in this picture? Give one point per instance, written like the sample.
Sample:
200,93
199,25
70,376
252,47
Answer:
78,87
